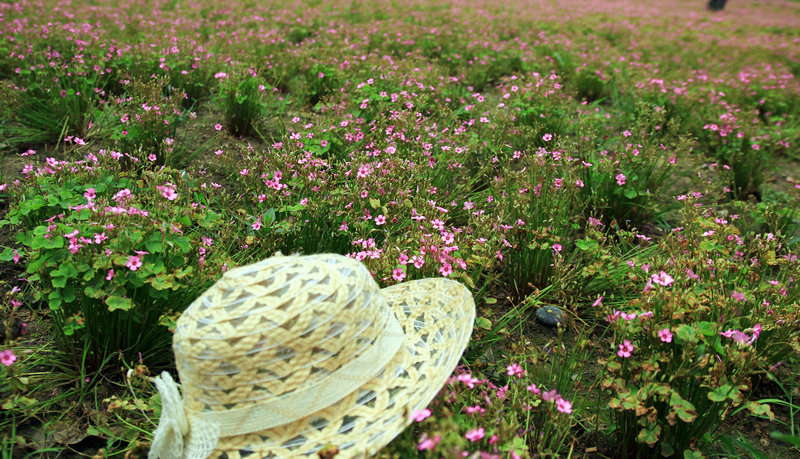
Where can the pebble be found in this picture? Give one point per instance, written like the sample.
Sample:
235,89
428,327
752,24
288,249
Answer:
550,315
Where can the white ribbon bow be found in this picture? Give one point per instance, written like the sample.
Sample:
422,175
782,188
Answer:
173,427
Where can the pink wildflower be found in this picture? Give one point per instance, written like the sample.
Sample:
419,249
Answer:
620,179
625,349
598,301
515,369
563,405
475,434
550,395
547,137
426,443
134,263
420,415
446,269
665,335
398,274
7,357
662,278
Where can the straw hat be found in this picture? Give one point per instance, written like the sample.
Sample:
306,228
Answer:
294,354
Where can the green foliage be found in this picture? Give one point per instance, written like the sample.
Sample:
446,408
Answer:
243,103
145,124
114,262
689,345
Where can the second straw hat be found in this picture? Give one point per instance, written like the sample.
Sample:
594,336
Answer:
297,353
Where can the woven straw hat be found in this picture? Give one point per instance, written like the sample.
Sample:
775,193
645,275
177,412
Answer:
294,354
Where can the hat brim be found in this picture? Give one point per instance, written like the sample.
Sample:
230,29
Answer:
436,316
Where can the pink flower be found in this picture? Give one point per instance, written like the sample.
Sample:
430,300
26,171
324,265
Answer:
662,278
98,238
168,192
256,225
665,335
474,409
152,157
475,434
625,349
420,415
738,296
398,274
134,263
515,369
557,248
446,269
7,357
418,261
467,379
547,137
564,406
533,389
110,274
620,179
598,301
218,127
426,443
16,256
550,395
501,393
380,219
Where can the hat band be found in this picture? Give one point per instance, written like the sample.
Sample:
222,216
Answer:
308,400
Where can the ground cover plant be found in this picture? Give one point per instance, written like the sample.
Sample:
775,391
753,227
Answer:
633,164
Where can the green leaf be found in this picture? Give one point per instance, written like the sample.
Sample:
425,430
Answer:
649,435
163,282
54,299
68,294
268,217
115,302
629,193
721,393
686,334
685,410
154,244
490,300
691,454
707,328
209,217
586,244
374,203
8,254
93,292
484,323
58,281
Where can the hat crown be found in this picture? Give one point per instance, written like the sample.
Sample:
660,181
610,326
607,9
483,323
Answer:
267,329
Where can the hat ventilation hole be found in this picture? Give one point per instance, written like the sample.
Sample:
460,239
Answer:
296,441
348,424
319,423
366,398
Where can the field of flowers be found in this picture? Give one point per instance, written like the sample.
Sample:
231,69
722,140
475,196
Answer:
634,164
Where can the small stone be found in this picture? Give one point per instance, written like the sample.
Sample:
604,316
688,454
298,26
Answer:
549,315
